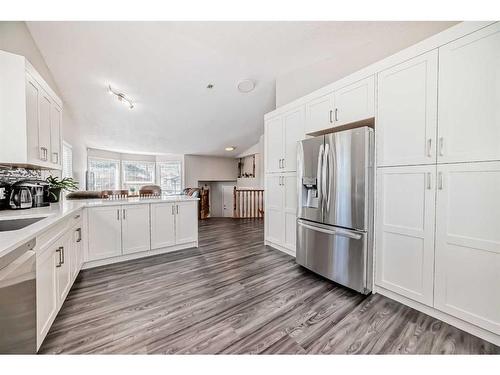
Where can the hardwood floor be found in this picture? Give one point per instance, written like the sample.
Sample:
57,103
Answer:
234,295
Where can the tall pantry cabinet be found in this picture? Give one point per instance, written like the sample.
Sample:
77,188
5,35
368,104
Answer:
282,133
438,179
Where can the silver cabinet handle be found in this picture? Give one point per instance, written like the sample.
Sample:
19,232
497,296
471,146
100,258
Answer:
441,146
124,215
429,147
118,214
279,163
177,209
428,180
283,163
77,217
331,116
440,178
43,153
173,207
56,158
336,114
60,259
79,231
62,252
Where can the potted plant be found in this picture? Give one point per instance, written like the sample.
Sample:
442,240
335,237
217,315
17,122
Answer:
56,185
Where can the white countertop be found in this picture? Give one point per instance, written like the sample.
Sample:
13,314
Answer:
58,211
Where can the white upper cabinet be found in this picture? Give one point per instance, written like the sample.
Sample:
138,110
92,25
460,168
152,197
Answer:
354,102
105,232
293,132
405,231
468,243
33,121
274,144
135,228
55,134
407,112
469,98
319,113
281,136
162,225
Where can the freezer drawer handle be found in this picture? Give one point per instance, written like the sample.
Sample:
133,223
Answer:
330,231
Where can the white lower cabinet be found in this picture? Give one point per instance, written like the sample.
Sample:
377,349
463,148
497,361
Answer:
467,279
57,265
281,210
105,232
46,291
186,222
162,225
405,231
135,228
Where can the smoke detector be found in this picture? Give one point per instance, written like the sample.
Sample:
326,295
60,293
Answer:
246,85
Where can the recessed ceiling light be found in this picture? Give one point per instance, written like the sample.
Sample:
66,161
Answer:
121,97
246,85
230,148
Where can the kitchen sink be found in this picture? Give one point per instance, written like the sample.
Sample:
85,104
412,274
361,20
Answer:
16,224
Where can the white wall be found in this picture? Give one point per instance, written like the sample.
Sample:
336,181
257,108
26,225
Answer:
304,80
209,168
16,38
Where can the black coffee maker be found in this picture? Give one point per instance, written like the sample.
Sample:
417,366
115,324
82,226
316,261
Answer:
39,190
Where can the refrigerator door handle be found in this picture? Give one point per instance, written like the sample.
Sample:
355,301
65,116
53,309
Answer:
335,232
319,175
324,171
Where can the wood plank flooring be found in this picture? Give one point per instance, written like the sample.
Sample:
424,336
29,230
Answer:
234,295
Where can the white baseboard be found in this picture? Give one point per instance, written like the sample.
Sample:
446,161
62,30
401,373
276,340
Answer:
280,248
459,323
142,254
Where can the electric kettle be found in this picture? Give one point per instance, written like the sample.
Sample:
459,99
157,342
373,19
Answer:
20,197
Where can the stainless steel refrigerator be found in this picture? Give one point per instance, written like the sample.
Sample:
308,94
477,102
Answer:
335,207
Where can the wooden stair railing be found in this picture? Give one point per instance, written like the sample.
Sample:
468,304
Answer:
248,203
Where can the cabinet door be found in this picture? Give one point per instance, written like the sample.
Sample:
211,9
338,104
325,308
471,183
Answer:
274,144
468,243
407,112
105,239
355,102
405,231
293,132
46,291
319,113
55,135
45,106
274,209
162,225
186,222
32,117
289,182
469,94
65,247
135,228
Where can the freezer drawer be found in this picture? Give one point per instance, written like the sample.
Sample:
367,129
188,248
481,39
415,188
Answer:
336,253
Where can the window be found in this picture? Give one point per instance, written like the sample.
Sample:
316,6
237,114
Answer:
137,173
170,176
67,160
104,174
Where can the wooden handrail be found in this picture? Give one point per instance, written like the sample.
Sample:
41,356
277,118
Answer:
248,203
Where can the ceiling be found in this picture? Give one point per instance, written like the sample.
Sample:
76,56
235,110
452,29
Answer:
165,68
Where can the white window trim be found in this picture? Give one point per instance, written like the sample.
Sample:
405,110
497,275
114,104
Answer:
158,179
122,180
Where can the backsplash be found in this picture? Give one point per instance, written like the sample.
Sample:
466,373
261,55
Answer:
13,174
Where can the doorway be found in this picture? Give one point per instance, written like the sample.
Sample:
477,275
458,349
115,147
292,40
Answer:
227,201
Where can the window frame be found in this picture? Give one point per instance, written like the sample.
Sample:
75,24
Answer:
181,174
89,158
65,146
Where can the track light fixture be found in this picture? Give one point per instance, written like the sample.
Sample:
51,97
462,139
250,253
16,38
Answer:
121,97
